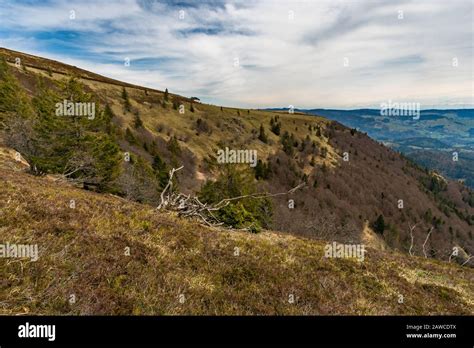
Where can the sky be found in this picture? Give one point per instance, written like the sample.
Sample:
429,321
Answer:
343,54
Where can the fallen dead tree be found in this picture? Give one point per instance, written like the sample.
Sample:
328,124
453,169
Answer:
191,207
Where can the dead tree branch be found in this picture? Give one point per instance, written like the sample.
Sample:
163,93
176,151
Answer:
191,206
452,254
459,258
226,201
164,202
468,259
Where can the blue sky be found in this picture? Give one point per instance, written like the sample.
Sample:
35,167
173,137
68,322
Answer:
268,53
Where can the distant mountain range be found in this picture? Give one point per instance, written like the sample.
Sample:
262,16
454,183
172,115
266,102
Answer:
432,140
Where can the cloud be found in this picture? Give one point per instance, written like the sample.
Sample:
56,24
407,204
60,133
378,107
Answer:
321,53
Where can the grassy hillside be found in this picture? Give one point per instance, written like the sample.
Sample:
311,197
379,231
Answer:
341,201
176,266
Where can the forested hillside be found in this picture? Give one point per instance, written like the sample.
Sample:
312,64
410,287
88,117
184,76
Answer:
356,190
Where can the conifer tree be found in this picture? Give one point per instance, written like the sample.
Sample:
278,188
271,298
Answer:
126,101
262,136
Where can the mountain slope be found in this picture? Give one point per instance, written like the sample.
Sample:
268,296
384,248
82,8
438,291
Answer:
341,199
175,266
430,140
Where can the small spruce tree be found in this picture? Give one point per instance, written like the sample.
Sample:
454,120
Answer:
137,121
262,136
379,225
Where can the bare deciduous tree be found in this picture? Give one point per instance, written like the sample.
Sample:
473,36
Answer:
81,161
426,240
411,228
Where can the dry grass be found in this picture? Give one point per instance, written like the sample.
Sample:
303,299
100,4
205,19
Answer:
82,252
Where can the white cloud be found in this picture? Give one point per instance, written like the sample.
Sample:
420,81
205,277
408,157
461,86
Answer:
282,61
